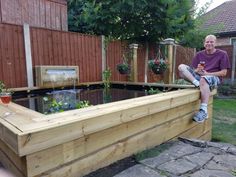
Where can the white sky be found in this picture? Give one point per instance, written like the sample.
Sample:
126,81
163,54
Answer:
214,3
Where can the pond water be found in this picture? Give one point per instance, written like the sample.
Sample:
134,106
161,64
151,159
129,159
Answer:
61,100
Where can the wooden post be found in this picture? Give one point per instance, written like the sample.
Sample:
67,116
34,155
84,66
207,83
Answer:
28,56
233,64
174,64
170,60
103,53
146,62
134,62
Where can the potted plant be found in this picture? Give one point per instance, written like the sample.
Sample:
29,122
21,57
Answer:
158,66
123,68
2,86
5,95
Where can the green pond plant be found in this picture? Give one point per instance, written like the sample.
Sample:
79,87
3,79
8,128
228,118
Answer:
54,106
106,78
152,91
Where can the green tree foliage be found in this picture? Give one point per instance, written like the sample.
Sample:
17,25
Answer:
194,37
139,20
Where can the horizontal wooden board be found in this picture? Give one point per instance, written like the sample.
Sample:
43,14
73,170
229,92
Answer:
124,148
78,125
67,152
9,165
18,162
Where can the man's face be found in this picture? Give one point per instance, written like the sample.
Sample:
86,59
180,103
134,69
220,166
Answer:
209,43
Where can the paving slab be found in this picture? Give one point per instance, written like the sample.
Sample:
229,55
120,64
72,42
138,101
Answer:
211,173
139,171
178,167
188,158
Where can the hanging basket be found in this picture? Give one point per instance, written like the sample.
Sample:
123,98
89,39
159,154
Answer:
123,68
158,66
158,70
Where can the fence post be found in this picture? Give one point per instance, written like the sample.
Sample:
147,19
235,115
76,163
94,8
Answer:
134,62
233,64
171,58
28,56
103,53
146,62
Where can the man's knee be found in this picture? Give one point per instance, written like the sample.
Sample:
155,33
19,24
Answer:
182,67
203,81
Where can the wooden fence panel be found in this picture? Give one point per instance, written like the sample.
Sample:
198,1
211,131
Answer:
184,55
150,75
114,56
51,47
12,56
141,62
229,50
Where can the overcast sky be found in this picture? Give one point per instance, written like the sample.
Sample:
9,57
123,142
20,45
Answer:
214,3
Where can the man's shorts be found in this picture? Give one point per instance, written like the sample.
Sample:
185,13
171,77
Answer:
213,81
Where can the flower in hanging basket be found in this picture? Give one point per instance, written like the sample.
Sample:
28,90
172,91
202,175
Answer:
123,68
158,66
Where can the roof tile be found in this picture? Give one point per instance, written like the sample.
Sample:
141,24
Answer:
222,18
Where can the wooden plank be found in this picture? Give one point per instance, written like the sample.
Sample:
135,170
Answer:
53,132
8,135
29,66
17,11
0,11
22,65
64,21
20,163
31,12
24,11
199,129
9,165
16,57
50,47
207,136
125,148
48,14
37,13
59,1
149,104
58,16
52,15
67,152
41,44
42,13
2,52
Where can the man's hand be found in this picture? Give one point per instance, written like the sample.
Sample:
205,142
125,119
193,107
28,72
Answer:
200,69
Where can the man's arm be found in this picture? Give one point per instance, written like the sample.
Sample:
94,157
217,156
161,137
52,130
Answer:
221,73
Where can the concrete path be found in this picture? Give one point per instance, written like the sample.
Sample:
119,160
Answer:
188,158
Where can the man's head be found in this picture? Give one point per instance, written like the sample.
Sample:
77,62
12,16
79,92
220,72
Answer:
209,43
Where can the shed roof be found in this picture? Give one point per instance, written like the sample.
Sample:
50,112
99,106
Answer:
222,19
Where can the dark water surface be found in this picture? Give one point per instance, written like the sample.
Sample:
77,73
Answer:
69,98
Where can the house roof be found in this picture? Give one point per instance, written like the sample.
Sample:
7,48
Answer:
222,19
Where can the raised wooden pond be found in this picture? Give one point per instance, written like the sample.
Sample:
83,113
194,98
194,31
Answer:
77,142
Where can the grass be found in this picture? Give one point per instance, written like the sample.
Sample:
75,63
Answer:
224,121
152,152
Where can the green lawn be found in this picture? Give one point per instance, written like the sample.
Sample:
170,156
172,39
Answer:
224,120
